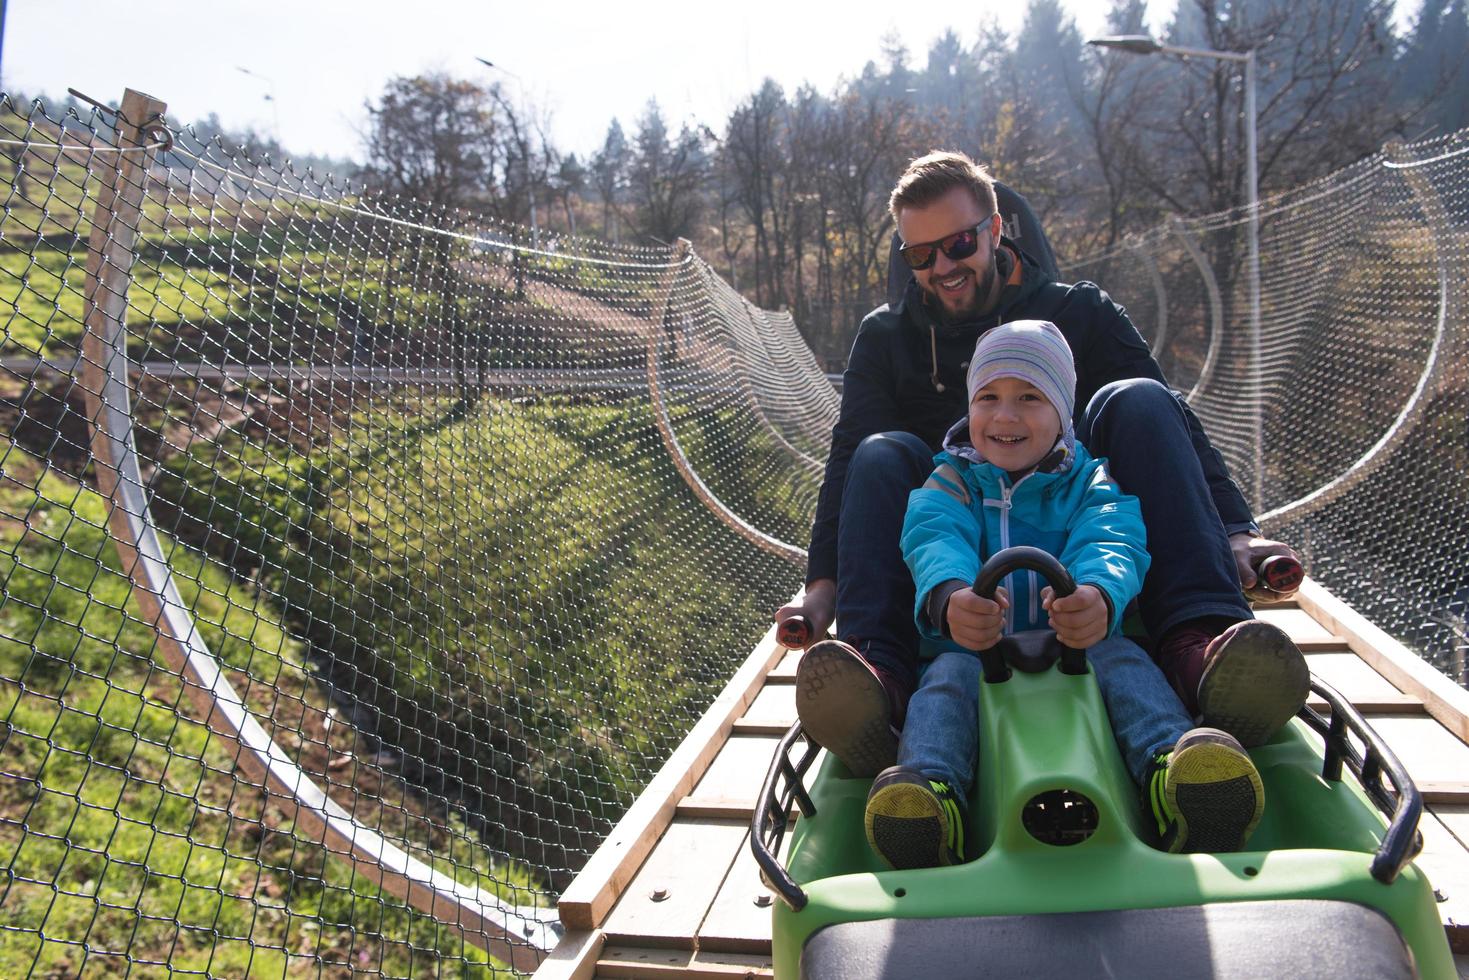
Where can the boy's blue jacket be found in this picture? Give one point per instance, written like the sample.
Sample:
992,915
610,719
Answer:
1074,511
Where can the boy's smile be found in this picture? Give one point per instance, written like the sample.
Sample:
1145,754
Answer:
1012,424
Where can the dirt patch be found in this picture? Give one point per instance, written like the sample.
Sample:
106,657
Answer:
48,419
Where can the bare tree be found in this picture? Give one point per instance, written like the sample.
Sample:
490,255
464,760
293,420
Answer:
733,230
802,197
570,181
527,159
869,138
1112,106
1037,140
1433,60
1323,68
755,145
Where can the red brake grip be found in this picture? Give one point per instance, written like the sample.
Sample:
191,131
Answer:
1281,574
794,633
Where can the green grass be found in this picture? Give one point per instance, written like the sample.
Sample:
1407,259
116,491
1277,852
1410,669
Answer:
121,823
203,267
274,282
43,296
519,578
276,292
42,299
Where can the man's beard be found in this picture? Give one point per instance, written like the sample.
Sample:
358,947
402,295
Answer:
970,311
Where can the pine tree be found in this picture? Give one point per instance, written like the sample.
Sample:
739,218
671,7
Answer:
1434,77
609,176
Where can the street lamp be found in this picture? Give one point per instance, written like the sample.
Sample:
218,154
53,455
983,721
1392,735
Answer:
269,96
535,232
1145,44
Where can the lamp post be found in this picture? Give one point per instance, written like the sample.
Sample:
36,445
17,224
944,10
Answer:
275,111
530,191
1145,44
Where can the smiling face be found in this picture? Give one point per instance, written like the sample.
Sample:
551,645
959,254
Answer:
962,289
1012,424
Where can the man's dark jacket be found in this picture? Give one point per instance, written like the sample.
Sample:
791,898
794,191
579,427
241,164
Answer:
890,384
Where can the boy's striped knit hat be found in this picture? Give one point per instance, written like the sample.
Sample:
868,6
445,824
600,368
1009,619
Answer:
1033,351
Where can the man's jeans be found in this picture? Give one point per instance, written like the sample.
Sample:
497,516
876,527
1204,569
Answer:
1139,426
941,736
874,587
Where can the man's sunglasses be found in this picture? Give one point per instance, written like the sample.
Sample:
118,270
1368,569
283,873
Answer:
958,246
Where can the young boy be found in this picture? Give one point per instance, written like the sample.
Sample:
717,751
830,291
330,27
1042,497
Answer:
1012,473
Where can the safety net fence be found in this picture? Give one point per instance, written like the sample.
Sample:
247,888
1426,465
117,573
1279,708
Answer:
361,562
1342,405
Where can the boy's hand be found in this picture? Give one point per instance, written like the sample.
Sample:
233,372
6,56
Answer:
1079,619
977,623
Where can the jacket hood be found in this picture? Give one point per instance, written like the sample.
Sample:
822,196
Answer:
1059,460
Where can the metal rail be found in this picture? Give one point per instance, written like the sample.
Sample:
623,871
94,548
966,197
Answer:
1436,366
784,785
701,490
1402,804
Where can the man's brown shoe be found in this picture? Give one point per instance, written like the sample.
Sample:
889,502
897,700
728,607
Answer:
845,708
1255,680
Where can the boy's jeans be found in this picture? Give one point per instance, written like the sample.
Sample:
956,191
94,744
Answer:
941,736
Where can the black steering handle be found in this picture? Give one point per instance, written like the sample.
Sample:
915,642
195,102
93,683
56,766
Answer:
1023,558
1026,558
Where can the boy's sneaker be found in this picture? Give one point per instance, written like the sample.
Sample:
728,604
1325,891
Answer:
1205,795
844,707
1252,678
914,822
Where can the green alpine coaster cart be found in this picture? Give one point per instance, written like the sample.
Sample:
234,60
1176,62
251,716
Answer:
1065,883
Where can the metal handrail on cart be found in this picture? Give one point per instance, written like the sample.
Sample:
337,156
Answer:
784,784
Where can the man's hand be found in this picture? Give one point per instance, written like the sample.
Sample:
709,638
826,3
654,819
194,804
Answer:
1249,551
819,606
977,623
1080,619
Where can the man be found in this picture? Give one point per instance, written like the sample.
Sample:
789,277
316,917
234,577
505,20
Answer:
903,388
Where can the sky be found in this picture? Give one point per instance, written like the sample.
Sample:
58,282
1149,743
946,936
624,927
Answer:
586,61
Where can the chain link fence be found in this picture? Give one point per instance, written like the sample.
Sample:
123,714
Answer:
361,563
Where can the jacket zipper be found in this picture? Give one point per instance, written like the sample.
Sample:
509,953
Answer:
1006,493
